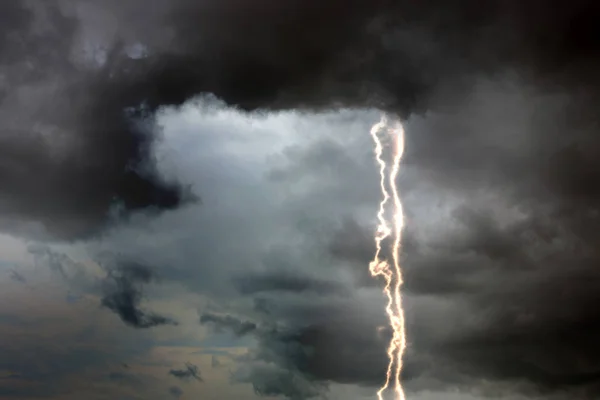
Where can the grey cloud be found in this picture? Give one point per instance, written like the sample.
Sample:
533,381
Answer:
256,236
78,129
121,289
281,281
124,378
228,322
40,367
312,343
500,248
269,381
353,243
175,392
122,295
507,238
500,194
17,277
190,371
57,262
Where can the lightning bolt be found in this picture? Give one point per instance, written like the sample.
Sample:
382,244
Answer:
391,272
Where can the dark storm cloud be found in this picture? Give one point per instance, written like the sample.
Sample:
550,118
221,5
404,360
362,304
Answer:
74,150
500,256
302,347
397,53
532,144
526,284
122,294
502,236
190,371
77,123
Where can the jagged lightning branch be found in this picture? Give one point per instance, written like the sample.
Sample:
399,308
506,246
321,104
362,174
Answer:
391,273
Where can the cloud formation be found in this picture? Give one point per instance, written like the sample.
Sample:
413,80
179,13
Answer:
122,295
82,81
190,371
120,290
75,152
499,180
497,256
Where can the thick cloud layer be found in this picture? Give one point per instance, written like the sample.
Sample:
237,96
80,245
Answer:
499,180
499,263
498,253
81,80
322,53
74,148
501,201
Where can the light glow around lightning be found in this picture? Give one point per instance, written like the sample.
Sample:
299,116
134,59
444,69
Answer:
390,271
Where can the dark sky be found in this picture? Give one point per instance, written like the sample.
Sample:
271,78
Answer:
189,198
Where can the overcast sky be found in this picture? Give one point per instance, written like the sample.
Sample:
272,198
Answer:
189,196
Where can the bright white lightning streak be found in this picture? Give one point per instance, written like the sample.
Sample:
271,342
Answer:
392,274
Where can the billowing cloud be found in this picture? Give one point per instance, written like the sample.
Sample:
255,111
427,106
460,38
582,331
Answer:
75,153
82,81
101,119
284,265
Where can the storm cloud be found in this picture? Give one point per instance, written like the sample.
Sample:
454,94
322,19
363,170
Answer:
76,153
82,81
499,181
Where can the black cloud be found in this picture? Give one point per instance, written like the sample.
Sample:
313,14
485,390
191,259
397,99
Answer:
74,150
529,286
506,178
79,134
397,53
